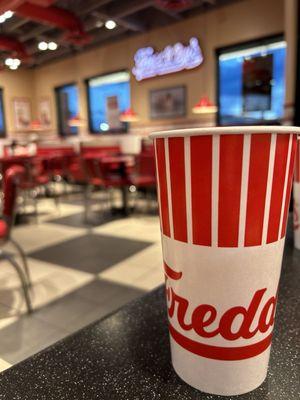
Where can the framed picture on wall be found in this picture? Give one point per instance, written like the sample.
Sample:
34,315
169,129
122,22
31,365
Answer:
22,112
168,102
45,115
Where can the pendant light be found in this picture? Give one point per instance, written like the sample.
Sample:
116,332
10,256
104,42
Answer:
76,121
129,115
204,106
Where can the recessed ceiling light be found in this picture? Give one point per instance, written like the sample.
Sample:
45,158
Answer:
9,62
2,19
8,14
13,66
43,46
99,24
110,24
16,62
52,46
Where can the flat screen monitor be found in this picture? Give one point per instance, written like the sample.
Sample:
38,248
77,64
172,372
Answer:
251,84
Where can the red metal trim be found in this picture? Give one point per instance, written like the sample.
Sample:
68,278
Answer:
52,16
6,5
16,48
42,3
56,17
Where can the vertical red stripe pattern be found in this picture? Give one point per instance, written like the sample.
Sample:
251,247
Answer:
250,216
162,181
177,180
280,165
297,168
201,188
289,186
230,176
257,188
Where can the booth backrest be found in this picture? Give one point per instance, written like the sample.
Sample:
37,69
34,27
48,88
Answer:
56,150
146,164
98,151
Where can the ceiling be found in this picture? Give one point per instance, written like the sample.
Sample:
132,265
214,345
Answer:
76,25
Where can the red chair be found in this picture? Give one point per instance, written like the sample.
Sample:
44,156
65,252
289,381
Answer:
143,178
13,177
144,175
106,172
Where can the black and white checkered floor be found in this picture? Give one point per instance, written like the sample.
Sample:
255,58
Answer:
80,273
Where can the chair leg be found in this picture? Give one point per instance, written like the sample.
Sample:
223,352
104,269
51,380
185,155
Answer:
23,280
87,191
24,259
34,195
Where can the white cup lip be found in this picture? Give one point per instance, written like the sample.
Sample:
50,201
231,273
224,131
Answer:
226,130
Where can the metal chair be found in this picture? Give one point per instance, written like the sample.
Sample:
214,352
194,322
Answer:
13,178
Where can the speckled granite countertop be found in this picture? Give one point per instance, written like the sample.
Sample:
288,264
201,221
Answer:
126,356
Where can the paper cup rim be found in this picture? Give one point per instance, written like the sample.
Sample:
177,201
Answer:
234,130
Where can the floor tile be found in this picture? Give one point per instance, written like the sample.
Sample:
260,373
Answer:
125,273
27,336
98,198
64,311
151,256
104,309
46,208
146,228
39,236
78,220
56,284
87,304
150,281
91,253
101,291
4,365
7,315
38,270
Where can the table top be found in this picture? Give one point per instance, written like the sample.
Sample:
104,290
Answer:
116,159
126,356
17,157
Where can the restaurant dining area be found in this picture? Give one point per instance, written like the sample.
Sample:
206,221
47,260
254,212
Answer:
150,199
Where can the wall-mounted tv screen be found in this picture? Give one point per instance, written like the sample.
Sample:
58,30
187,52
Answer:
251,85
108,97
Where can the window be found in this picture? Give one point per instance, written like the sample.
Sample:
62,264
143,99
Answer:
108,97
2,119
67,108
251,83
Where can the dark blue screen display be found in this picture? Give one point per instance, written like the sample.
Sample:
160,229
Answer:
109,96
232,100
68,107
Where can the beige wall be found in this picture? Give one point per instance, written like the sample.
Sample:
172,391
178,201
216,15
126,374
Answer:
16,84
240,21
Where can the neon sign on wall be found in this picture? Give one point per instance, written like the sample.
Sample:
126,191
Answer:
178,57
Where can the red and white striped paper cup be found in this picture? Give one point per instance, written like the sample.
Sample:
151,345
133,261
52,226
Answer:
224,196
297,200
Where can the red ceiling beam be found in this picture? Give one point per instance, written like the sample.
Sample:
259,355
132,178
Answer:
6,5
12,5
42,3
56,17
43,12
14,47
52,16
